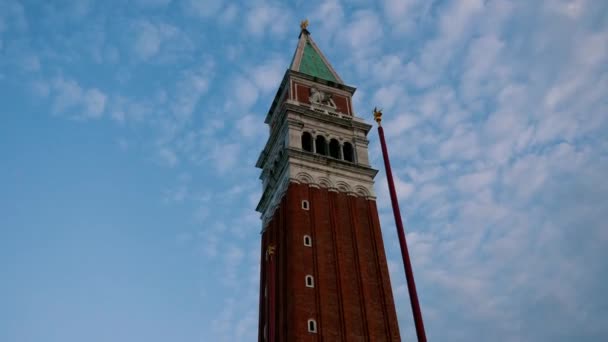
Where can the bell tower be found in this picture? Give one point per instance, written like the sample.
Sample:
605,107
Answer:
324,275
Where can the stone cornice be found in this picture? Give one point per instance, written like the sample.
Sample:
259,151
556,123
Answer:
325,118
337,164
301,167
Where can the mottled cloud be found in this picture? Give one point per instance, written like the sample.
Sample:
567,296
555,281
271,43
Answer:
268,18
70,99
494,116
203,9
149,37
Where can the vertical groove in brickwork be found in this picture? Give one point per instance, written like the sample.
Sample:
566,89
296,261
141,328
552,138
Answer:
353,226
367,257
336,260
292,257
276,229
292,324
264,262
368,265
317,245
300,305
269,233
377,266
389,304
284,259
346,257
262,302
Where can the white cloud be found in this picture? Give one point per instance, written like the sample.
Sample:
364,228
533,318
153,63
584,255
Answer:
31,63
403,14
245,91
232,259
396,9
149,38
268,76
168,156
484,72
94,103
176,195
175,111
400,124
453,26
71,100
203,9
463,144
153,3
212,126
474,182
388,67
202,213
124,109
263,18
111,54
189,90
570,8
404,190
419,76
68,94
458,17
328,9
362,32
122,143
388,96
41,88
229,14
77,10
12,17
224,157
251,126
223,321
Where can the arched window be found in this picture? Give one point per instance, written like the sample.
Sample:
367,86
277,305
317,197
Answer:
312,326
305,205
307,142
310,281
334,148
348,152
307,241
321,145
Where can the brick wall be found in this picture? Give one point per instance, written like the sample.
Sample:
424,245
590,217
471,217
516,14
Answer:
352,298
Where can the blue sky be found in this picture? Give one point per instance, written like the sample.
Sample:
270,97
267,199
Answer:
129,133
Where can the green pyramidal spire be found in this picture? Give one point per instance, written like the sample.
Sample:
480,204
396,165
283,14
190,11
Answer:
308,59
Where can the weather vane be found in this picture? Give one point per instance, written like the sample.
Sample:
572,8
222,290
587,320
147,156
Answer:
304,24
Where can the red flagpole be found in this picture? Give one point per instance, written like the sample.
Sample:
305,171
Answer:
409,273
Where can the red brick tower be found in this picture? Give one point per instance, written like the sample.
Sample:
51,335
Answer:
324,275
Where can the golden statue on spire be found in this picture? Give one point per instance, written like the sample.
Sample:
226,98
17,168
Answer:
304,24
